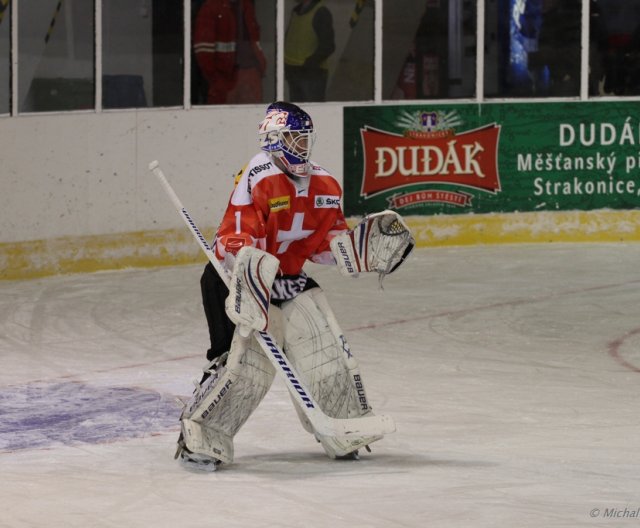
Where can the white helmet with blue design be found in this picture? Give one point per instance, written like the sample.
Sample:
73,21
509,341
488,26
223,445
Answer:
287,133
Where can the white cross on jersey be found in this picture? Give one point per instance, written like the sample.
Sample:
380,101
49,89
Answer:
295,233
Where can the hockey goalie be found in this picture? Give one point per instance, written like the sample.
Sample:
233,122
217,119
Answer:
285,210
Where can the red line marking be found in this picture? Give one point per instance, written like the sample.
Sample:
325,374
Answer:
614,350
613,347
515,302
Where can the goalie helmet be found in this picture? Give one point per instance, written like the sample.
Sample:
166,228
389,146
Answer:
287,133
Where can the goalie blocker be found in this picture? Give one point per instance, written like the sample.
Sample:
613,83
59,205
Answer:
379,243
247,304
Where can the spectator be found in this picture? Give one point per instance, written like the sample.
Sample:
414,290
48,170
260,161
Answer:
309,42
226,41
557,60
619,32
424,72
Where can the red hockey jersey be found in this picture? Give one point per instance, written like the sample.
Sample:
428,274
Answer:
293,219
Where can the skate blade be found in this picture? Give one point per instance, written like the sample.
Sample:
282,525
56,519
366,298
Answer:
199,463
354,455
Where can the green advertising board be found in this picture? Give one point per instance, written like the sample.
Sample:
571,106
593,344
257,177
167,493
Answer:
492,158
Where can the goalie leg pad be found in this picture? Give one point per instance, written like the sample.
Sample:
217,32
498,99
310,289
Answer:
226,399
316,347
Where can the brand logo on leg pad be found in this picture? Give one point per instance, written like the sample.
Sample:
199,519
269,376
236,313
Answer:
217,399
362,397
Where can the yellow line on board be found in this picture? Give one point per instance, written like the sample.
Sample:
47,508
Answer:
172,247
541,227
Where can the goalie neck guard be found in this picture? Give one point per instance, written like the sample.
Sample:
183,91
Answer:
287,133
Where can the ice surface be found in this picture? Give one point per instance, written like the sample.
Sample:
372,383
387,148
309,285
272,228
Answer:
513,373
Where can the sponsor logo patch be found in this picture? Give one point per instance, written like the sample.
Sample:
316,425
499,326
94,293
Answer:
259,168
327,202
280,203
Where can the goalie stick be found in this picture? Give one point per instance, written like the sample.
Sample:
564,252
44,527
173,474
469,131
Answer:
322,424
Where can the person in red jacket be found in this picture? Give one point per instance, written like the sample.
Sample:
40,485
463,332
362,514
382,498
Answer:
226,42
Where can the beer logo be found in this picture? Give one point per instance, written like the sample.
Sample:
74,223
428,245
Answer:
430,151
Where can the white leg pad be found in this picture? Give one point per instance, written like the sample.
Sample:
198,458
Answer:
207,440
314,343
225,401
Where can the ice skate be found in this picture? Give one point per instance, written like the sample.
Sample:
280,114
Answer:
354,455
195,461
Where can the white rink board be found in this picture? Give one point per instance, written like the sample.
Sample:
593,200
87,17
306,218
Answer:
86,174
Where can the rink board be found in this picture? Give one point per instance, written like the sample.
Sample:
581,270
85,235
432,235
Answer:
40,258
